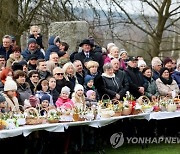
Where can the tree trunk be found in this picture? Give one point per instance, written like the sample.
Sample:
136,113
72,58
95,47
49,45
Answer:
8,18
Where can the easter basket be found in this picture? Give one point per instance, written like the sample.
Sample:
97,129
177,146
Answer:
142,100
105,102
32,116
117,107
53,116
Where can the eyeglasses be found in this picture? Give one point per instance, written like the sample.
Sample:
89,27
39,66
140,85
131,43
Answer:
34,76
59,74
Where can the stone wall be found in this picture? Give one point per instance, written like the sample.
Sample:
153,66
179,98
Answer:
72,32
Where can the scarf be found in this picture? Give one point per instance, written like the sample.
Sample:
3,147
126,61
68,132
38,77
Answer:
165,81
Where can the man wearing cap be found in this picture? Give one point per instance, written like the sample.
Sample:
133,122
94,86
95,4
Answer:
6,47
87,53
32,49
135,78
32,60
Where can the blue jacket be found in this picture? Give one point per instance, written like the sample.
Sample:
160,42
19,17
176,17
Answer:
26,53
4,53
176,77
52,48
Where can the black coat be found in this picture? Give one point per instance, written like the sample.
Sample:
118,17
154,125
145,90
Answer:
117,84
135,79
5,53
92,56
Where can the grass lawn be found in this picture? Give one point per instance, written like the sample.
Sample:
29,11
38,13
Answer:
137,149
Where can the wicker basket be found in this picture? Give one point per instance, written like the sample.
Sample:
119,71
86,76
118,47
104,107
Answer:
32,120
105,102
142,100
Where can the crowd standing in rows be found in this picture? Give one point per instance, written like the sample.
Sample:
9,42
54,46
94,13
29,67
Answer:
79,79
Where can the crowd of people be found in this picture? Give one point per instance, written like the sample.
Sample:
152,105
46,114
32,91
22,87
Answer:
81,78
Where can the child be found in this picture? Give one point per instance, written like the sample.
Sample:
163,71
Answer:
35,33
89,85
91,98
64,100
78,96
43,88
3,107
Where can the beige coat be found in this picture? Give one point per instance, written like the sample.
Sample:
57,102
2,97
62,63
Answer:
12,104
164,89
12,60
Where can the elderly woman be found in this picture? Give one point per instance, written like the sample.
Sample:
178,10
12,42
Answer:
70,73
151,90
166,85
23,88
112,83
92,70
141,65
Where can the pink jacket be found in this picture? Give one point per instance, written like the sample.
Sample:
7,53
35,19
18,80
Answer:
67,103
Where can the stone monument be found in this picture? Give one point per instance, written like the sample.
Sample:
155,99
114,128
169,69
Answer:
72,32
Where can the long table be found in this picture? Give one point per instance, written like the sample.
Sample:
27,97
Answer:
61,127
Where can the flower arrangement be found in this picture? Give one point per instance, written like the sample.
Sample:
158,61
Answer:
53,116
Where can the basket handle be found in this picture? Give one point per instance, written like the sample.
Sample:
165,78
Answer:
32,109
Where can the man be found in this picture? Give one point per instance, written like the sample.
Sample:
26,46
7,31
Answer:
135,78
6,47
42,69
121,76
33,80
156,66
32,60
32,49
80,74
87,54
54,58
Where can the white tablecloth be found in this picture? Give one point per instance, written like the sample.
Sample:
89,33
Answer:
60,127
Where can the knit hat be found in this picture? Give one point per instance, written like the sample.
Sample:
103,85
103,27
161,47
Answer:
10,84
78,87
162,70
45,97
122,51
65,89
2,98
89,93
141,62
33,100
109,45
16,66
167,60
31,40
88,78
156,61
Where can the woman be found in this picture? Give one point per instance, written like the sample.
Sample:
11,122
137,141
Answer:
23,88
10,88
141,65
70,73
166,85
112,84
92,70
176,73
52,89
151,90
15,56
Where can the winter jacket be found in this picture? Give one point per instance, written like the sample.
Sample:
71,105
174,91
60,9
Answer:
155,75
5,53
26,53
151,88
12,59
176,77
67,103
165,88
40,93
23,92
12,103
54,93
53,48
115,85
135,79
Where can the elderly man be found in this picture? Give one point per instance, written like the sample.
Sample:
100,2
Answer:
156,66
88,54
135,78
32,49
6,47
